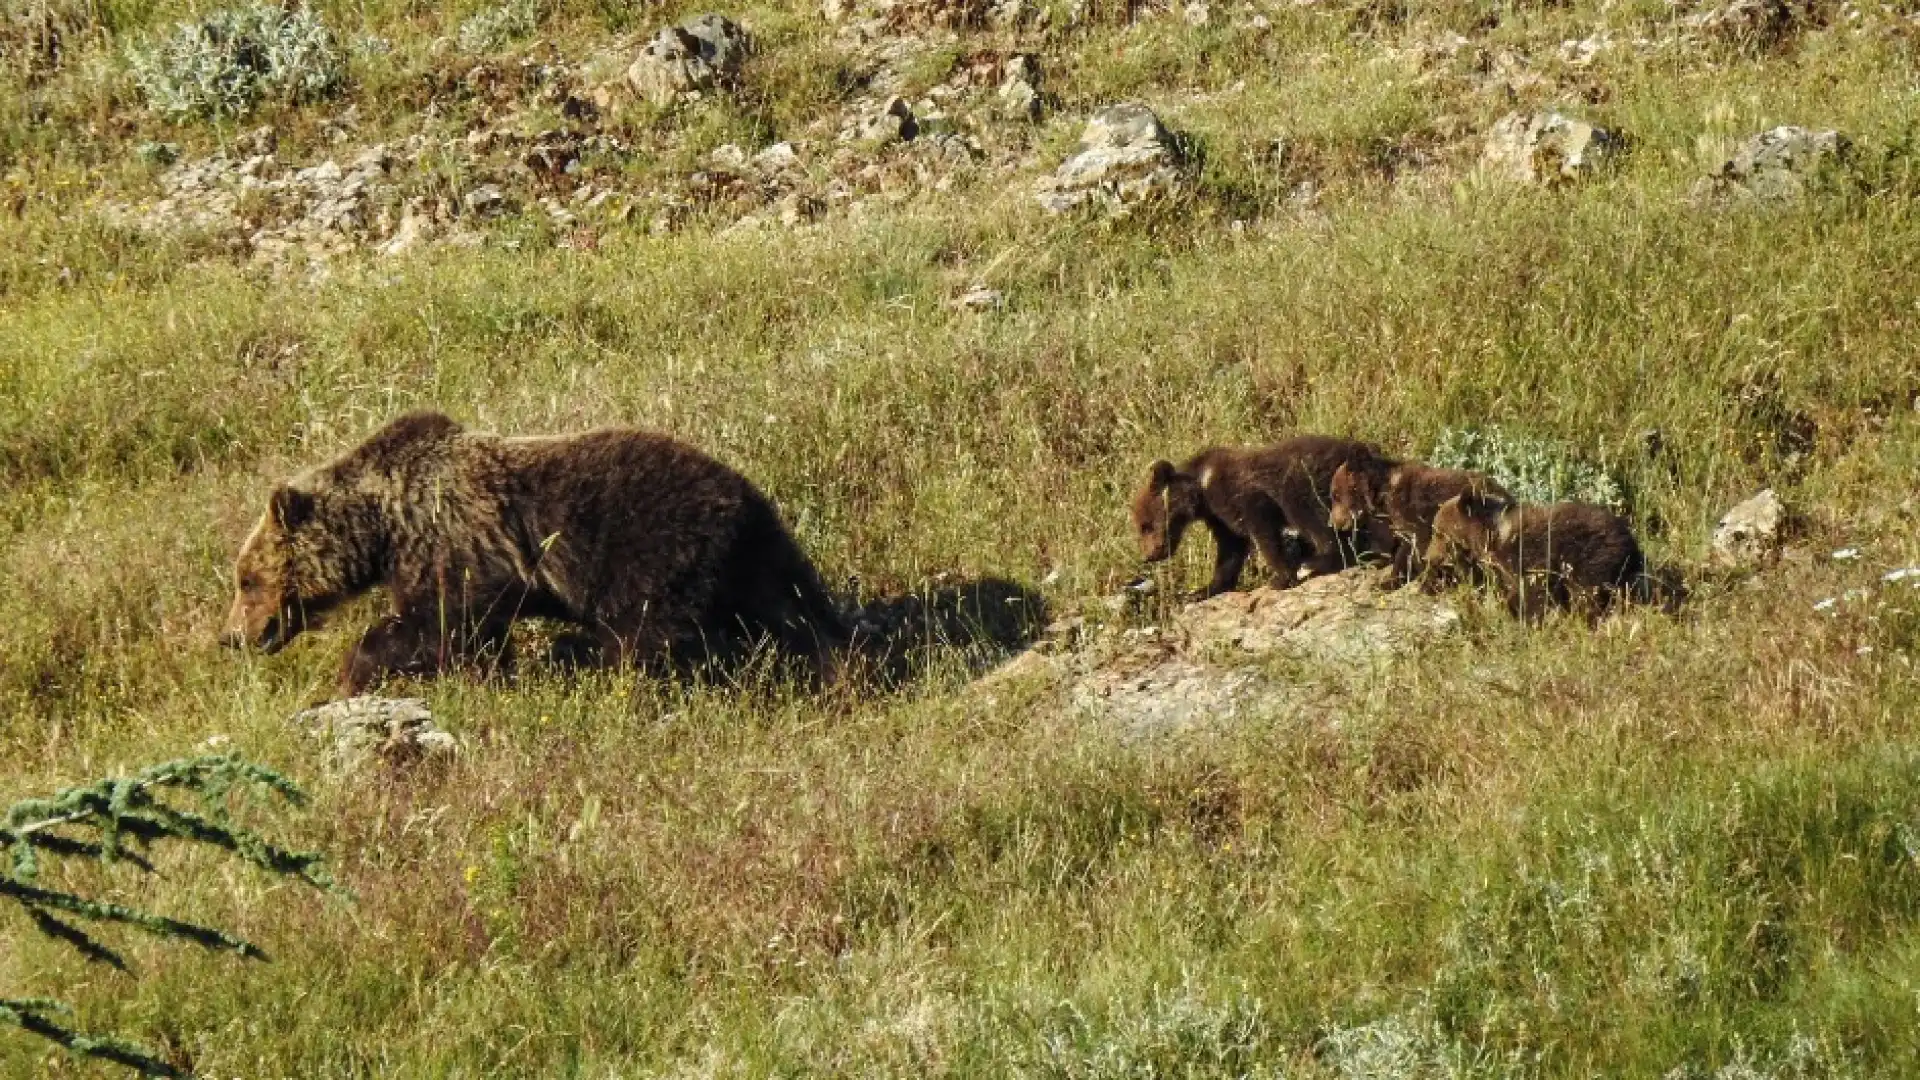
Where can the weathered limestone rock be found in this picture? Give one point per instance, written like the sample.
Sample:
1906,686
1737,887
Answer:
394,730
1125,156
1751,533
698,55
1777,164
1548,148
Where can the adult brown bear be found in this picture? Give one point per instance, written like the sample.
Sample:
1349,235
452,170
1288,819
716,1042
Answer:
657,551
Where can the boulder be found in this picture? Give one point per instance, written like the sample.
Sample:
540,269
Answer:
1125,157
394,730
1778,164
1548,148
1751,534
700,54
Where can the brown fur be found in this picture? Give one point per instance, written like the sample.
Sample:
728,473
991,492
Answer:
1562,555
1393,504
657,550
1247,499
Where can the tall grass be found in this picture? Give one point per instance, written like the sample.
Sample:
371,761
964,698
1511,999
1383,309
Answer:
1672,846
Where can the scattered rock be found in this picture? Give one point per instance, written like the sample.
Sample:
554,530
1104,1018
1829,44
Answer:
981,298
1777,164
485,200
1751,533
394,730
1753,23
1548,148
1019,92
701,54
894,124
1125,156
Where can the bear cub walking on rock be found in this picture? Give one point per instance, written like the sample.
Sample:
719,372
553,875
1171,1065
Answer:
656,550
1393,503
1247,499
1564,555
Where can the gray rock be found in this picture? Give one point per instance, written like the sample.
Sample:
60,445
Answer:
359,730
1778,164
1751,533
701,54
483,200
1019,92
1125,156
1548,148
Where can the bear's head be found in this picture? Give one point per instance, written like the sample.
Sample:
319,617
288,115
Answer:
1351,498
1166,505
300,560
1464,528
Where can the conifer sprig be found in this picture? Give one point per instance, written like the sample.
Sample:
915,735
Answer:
119,820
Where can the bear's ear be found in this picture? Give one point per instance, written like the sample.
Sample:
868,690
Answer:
291,506
1161,473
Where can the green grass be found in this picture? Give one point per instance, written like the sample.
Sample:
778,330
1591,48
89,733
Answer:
1672,846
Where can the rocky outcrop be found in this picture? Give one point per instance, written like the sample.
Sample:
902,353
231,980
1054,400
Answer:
1190,675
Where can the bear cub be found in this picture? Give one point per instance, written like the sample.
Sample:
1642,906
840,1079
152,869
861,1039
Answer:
1248,499
656,551
1563,555
1393,503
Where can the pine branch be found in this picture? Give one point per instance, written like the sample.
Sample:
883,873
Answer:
29,1014
122,820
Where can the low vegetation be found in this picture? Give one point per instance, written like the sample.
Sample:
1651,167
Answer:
1674,845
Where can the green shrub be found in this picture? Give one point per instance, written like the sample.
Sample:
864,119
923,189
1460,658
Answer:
229,61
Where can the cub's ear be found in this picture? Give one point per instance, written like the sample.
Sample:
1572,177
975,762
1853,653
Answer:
291,506
1161,473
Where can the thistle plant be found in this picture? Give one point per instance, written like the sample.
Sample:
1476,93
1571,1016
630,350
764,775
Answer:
1532,469
226,63
122,821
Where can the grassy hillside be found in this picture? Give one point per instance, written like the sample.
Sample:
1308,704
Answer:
1674,846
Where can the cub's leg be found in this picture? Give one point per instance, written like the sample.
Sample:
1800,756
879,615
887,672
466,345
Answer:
1229,558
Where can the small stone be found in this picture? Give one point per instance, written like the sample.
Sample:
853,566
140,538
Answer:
483,200
778,158
981,298
1750,535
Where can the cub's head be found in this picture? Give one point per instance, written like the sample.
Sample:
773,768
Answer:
1351,498
297,562
1464,528
1166,505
